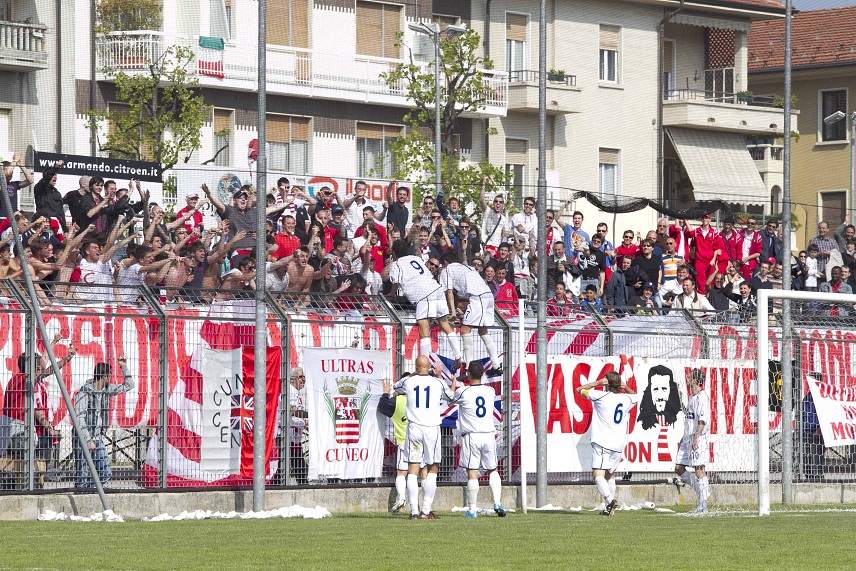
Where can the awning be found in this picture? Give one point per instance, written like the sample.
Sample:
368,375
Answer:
719,166
708,22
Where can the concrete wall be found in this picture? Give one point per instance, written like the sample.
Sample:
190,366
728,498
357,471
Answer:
367,500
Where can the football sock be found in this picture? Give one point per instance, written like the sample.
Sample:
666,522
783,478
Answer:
472,493
686,478
491,350
467,339
611,483
413,493
703,489
603,488
455,344
495,487
429,487
425,346
400,487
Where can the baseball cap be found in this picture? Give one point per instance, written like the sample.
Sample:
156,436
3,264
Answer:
241,194
648,285
193,195
337,209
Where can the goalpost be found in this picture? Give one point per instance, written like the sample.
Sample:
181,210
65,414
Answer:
815,309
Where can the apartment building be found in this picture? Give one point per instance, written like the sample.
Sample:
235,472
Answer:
824,82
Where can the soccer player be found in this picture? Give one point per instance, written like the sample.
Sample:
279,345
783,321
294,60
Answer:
410,275
468,284
694,450
394,406
608,431
422,442
478,438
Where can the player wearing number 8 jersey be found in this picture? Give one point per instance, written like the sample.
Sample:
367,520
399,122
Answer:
409,274
478,438
608,431
694,450
422,442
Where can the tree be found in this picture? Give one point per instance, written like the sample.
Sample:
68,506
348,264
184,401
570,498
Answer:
164,113
464,89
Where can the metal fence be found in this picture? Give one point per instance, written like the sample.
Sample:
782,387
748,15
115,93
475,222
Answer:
164,343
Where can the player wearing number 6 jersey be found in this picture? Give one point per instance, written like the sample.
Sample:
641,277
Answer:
409,274
422,442
694,450
478,438
608,431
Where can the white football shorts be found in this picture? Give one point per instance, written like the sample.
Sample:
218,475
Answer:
689,457
432,306
603,459
478,450
422,444
479,311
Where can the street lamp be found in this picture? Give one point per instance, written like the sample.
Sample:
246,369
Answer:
433,31
835,118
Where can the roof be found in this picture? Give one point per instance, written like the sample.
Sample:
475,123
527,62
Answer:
819,38
776,4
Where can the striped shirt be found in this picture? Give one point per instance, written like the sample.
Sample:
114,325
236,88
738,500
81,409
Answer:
670,266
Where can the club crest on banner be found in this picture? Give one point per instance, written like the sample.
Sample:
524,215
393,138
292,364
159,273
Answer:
347,408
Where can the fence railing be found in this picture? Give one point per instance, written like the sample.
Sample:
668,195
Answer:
22,37
167,346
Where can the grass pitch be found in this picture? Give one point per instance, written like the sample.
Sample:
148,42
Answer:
629,540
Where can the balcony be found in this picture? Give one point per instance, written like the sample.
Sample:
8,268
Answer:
563,95
22,47
768,158
718,108
290,71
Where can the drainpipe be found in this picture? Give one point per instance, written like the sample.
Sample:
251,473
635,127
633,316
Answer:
661,32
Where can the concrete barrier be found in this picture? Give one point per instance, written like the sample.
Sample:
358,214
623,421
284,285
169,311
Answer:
379,499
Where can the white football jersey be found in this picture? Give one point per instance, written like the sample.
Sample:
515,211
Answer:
424,398
610,418
698,410
416,282
475,408
465,280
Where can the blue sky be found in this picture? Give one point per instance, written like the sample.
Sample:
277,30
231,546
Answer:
820,4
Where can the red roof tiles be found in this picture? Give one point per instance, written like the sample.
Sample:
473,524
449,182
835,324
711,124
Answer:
818,38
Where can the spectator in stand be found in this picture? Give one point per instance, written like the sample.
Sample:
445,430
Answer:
681,234
746,303
560,305
10,268
48,198
771,243
340,263
672,288
287,242
709,252
593,265
811,264
652,236
93,203
616,287
241,217
467,244
520,262
95,265
691,300
506,294
195,218
749,246
627,248
826,245
848,277
496,225
300,273
762,279
525,223
798,271
355,206
555,233
645,301
562,269
589,297
576,239
671,261
398,214
489,279
133,271
503,260
75,202
369,219
422,247
422,215
662,234
844,233
606,247
731,237
478,265
836,285
649,263
372,253
14,171
337,220
733,277
717,294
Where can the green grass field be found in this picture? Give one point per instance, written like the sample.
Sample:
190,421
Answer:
629,540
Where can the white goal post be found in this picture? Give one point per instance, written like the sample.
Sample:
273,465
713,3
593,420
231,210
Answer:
764,297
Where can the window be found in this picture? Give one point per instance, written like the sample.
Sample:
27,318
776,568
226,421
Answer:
516,161
374,158
833,208
288,143
610,39
608,172
515,46
288,23
830,102
222,137
377,24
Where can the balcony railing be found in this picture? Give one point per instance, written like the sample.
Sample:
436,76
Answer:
719,97
289,70
531,76
767,152
22,46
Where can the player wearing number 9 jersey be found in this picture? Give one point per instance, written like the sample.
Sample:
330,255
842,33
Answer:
422,444
608,431
478,438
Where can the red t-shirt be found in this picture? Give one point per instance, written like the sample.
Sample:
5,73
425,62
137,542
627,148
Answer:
287,245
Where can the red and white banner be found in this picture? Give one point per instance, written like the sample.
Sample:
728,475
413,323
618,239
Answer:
836,411
342,389
657,427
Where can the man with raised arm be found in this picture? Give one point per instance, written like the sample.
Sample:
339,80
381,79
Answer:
608,431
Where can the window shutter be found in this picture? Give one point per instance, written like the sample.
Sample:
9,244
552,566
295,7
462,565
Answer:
299,128
515,27
608,156
369,131
391,24
610,37
370,29
222,120
667,56
278,129
516,151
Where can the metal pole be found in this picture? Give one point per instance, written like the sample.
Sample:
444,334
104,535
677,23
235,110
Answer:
30,413
260,357
762,390
852,216
787,371
541,352
437,125
40,323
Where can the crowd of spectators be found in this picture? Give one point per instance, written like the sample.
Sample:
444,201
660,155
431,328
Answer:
329,243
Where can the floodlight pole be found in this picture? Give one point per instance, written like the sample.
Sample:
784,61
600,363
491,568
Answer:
541,350
260,346
438,155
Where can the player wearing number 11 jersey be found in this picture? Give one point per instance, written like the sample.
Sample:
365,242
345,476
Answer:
608,431
422,443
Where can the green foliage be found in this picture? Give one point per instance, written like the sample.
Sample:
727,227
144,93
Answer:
779,101
463,89
162,99
127,15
